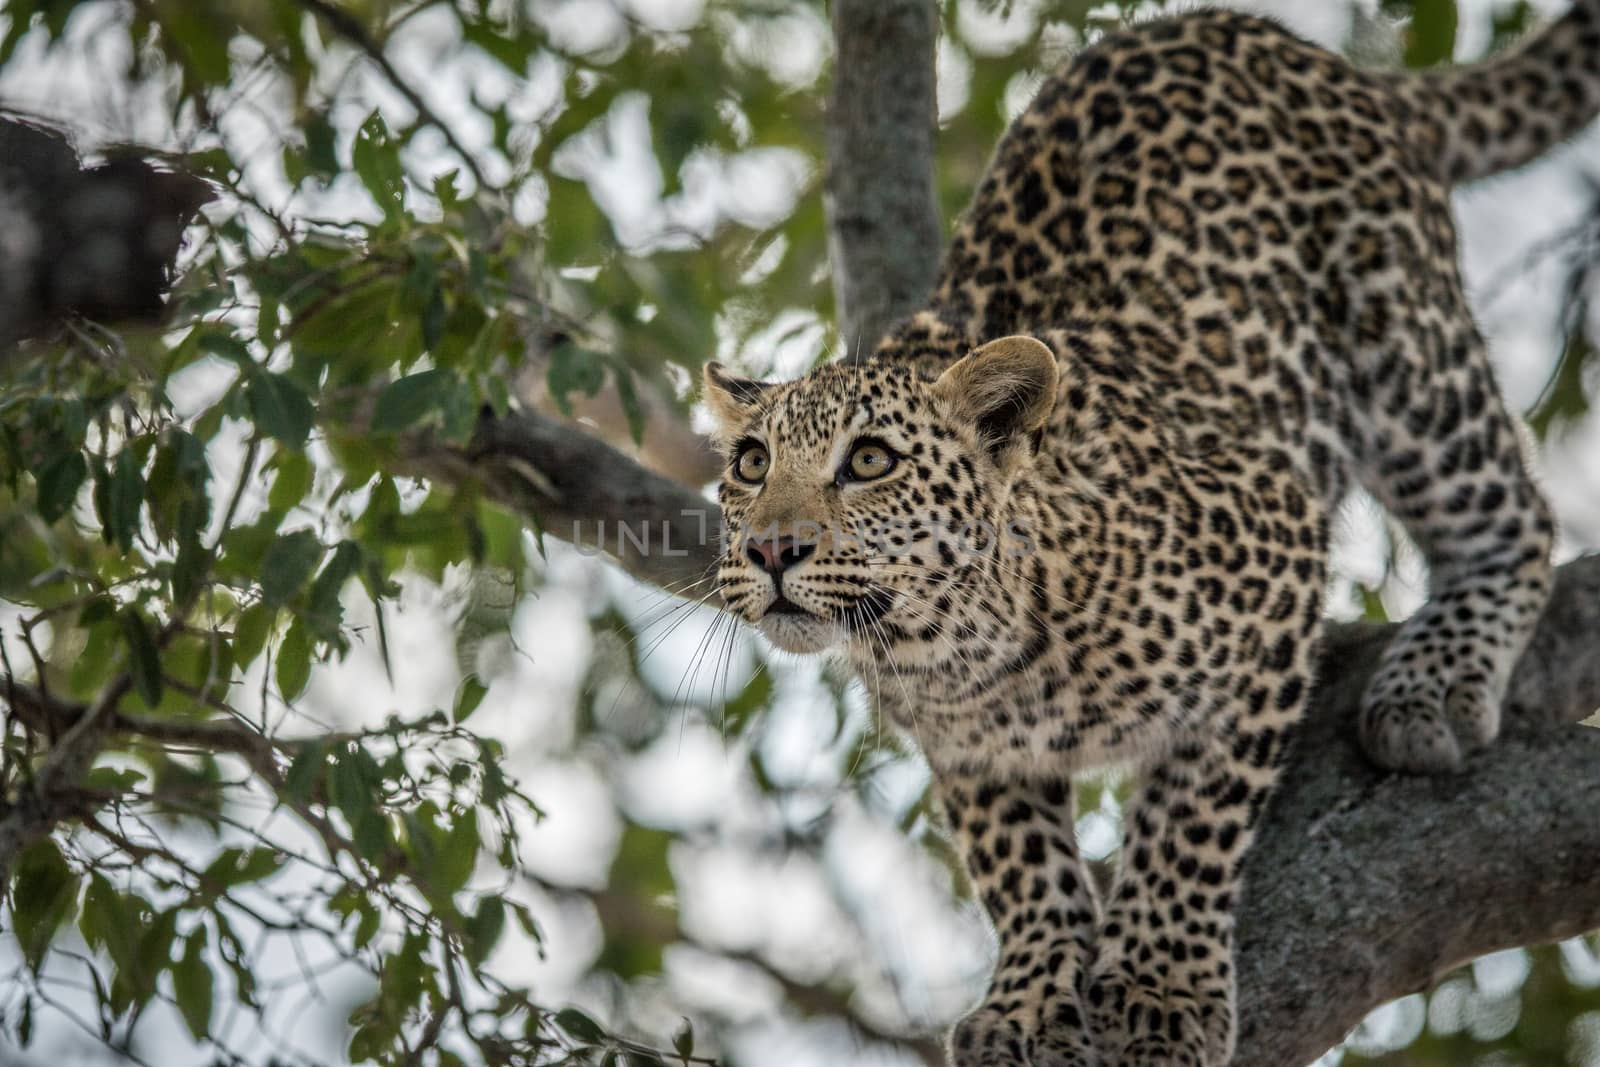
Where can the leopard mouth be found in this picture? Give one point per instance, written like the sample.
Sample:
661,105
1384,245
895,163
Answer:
784,606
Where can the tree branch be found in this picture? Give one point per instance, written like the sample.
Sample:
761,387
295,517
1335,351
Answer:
52,794
885,238
578,488
1366,886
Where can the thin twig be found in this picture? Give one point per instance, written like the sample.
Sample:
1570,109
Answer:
350,28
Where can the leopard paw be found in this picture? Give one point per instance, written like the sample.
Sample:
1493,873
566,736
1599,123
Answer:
1429,704
1063,1038
1143,1019
989,1037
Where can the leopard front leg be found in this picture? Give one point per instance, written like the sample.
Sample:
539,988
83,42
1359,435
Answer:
1018,843
1160,992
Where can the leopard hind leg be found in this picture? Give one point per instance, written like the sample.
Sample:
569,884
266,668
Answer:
1447,462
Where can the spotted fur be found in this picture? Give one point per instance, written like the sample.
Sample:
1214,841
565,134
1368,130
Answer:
1209,282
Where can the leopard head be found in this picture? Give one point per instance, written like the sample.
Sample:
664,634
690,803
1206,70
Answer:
859,499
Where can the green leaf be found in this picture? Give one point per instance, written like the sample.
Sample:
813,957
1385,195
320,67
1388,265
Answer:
241,866
117,779
1372,609
628,395
468,698
444,188
356,788
579,1026
189,568
305,773
753,697
119,495
177,487
376,159
324,613
574,370
117,923
287,566
483,930
683,1040
320,143
293,668
408,399
43,897
1565,399
59,478
192,984
458,855
292,481
144,661
1432,38
250,633
280,407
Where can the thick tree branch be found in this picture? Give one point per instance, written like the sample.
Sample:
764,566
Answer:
576,487
1367,886
883,216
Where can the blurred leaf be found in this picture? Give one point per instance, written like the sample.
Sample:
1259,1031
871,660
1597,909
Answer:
324,612
641,872
280,407
482,931
579,1025
305,771
574,370
292,481
241,866
1432,36
44,895
293,669
468,698
628,395
287,566
376,159
405,401
1566,399
251,632
192,984
755,695
59,478
144,660
119,495
683,1039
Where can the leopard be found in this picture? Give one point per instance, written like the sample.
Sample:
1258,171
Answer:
1074,512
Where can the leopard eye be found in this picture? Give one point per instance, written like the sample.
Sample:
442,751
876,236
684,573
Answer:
870,461
751,465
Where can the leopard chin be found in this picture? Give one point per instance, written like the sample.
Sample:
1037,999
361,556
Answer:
804,634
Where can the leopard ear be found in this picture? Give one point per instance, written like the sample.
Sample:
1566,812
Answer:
731,399
1006,388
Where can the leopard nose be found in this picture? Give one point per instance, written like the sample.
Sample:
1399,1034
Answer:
778,554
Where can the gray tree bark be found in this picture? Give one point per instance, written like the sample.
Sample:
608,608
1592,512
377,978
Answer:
885,239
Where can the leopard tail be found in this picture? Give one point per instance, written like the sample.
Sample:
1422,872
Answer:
1476,121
